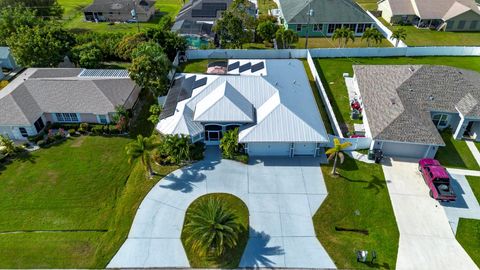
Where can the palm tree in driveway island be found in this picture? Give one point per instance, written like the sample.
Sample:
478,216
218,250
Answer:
142,148
212,228
337,152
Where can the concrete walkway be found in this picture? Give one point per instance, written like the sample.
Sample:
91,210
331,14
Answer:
426,239
463,172
282,194
473,148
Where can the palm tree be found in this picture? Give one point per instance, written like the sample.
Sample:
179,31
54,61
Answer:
142,148
7,146
336,152
349,34
378,37
280,37
339,33
178,147
290,37
400,35
211,228
369,35
229,143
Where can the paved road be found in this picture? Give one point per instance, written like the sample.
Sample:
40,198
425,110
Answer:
426,239
282,194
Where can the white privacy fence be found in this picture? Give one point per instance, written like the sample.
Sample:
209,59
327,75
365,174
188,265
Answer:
333,52
387,33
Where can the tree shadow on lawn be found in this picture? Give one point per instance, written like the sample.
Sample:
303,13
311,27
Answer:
375,183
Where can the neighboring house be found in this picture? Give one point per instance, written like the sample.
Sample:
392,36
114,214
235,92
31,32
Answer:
197,17
41,95
404,106
328,15
270,101
6,59
119,10
443,15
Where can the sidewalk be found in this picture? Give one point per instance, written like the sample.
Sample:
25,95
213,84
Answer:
473,148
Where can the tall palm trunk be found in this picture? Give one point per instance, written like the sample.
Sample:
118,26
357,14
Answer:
334,169
148,166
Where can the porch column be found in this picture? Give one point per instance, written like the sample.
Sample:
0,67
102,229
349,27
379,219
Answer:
462,125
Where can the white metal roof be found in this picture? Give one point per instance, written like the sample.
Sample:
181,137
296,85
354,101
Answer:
224,104
282,99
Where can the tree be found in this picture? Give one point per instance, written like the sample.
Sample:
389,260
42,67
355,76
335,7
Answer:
170,42
12,18
286,37
155,111
121,117
38,46
231,30
338,34
343,35
267,30
47,9
372,34
336,152
87,55
348,35
7,146
229,143
166,22
178,147
106,42
150,67
142,148
212,228
399,34
128,44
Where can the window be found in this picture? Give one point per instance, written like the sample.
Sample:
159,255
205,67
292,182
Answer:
473,25
23,131
331,28
440,120
450,24
66,117
361,28
102,119
39,125
351,26
299,28
317,27
461,25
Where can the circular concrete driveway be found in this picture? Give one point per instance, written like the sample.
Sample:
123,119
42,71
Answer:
282,194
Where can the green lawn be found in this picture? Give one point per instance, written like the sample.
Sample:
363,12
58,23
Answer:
357,199
456,154
231,259
468,231
426,37
81,194
73,16
332,69
368,4
325,42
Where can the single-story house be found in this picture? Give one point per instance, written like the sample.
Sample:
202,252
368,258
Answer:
196,19
6,58
326,16
66,95
443,15
120,10
404,106
270,101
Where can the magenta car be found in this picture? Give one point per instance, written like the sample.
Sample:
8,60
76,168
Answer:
437,179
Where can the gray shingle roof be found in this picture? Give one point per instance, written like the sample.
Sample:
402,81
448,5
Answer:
124,6
37,91
325,11
398,99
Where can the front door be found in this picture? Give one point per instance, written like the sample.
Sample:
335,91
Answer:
213,134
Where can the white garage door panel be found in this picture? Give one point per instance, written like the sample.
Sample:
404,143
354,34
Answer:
305,149
404,150
269,149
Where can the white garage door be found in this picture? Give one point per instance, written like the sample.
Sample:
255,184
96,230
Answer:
404,150
269,149
305,149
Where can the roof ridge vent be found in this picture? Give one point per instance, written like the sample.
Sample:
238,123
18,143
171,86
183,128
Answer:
431,98
392,100
411,68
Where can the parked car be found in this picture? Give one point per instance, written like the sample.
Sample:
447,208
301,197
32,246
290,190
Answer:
437,179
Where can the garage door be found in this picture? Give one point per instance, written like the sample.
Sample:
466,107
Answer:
305,149
404,150
269,149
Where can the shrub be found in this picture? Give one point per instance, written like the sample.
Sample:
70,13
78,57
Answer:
243,158
37,137
97,130
72,132
197,151
42,143
112,129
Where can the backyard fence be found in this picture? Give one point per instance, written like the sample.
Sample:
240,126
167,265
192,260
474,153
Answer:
387,33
